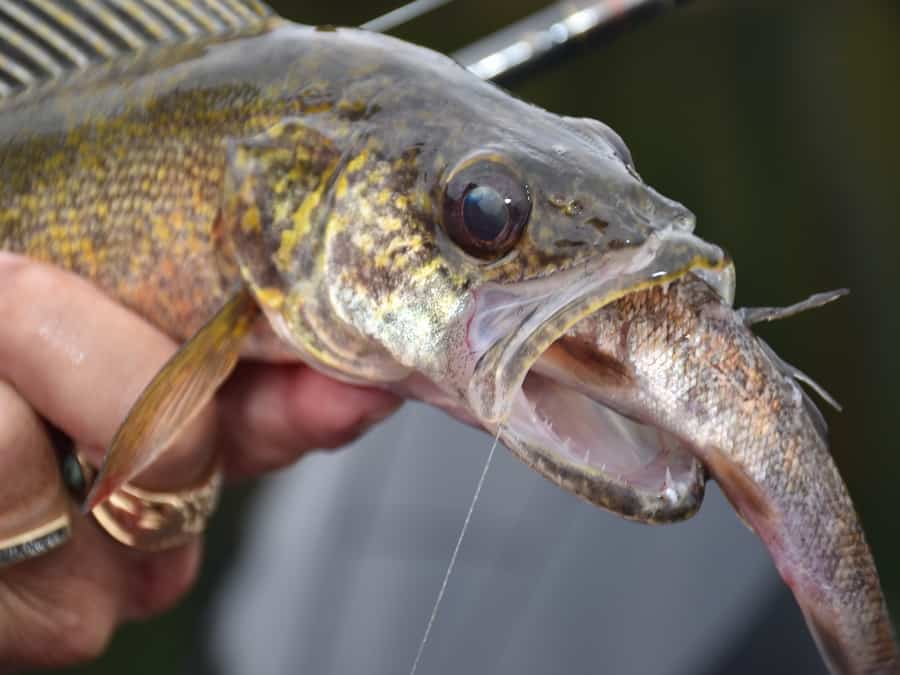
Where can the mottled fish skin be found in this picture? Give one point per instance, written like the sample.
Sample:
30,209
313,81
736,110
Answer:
695,369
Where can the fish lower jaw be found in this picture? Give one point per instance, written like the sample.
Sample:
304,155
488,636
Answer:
634,470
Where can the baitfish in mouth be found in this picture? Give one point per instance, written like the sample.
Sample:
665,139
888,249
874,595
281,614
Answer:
632,405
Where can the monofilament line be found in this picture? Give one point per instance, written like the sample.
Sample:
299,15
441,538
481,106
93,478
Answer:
462,533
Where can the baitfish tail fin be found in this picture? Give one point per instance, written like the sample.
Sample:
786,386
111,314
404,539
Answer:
43,42
184,385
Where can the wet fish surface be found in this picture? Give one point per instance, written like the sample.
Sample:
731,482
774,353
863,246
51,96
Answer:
259,188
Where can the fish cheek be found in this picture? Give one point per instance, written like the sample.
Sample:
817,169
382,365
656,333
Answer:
287,222
276,189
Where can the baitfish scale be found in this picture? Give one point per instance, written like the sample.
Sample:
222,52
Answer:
399,222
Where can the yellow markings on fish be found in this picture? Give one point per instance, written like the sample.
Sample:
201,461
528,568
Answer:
398,251
353,166
357,162
301,220
382,260
161,230
251,223
276,131
391,224
271,297
281,212
363,241
427,270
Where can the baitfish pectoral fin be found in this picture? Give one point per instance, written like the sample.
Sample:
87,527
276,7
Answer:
184,385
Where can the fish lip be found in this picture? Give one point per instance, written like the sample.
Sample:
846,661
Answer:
497,386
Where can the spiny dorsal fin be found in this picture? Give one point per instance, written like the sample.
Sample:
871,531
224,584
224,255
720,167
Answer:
45,41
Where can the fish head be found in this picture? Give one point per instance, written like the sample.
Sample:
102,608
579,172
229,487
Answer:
439,235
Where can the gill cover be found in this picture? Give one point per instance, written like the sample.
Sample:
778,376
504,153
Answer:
280,223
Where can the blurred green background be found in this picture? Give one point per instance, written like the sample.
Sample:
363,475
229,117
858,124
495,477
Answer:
779,125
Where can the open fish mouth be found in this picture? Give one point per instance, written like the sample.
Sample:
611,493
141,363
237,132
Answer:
564,427
553,395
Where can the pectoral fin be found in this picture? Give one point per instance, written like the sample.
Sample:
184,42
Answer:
177,393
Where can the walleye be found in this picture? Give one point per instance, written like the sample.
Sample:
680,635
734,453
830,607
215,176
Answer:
393,220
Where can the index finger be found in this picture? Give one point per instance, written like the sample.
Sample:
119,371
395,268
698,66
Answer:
82,360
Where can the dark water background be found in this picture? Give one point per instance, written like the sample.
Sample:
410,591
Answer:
778,124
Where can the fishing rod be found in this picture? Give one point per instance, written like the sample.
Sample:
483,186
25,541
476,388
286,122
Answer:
403,14
537,39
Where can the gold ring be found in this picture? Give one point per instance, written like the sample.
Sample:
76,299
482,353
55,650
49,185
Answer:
156,521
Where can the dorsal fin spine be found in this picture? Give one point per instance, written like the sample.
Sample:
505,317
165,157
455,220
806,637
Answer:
187,27
30,49
15,70
44,41
207,20
75,26
148,22
47,33
113,24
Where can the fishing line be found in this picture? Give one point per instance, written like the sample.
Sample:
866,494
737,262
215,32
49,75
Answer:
462,533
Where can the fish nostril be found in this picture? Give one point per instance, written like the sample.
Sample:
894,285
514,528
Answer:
685,221
567,206
664,212
597,223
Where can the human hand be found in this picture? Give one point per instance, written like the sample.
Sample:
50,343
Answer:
73,357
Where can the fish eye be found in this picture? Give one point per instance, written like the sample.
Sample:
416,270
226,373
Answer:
486,208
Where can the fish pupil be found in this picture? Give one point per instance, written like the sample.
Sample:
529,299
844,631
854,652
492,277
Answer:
486,213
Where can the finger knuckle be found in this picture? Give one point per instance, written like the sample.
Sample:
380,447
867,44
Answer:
337,431
339,436
56,633
162,580
84,645
26,280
